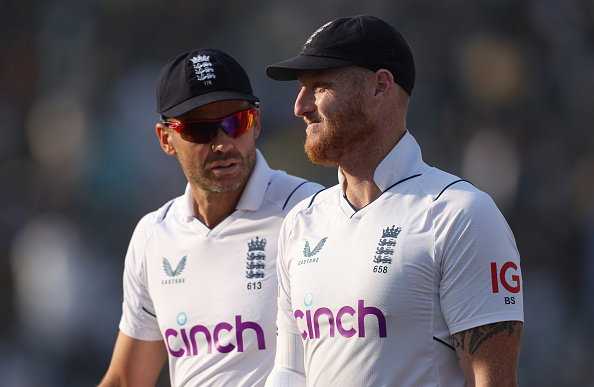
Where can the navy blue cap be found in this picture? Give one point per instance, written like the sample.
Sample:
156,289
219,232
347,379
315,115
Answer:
362,40
199,77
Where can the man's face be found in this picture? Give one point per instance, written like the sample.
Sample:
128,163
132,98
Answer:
225,163
332,103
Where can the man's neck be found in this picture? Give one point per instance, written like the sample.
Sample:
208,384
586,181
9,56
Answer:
359,191
211,208
359,167
358,185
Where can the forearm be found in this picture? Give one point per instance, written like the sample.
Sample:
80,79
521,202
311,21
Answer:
488,355
135,363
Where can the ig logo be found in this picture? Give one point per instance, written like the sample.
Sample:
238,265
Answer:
499,277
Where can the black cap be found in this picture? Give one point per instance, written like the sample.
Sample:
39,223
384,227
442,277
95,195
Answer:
362,40
199,77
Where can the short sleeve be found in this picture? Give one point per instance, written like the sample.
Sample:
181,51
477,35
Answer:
481,280
285,319
138,314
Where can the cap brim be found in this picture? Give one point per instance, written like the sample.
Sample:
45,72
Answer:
205,99
288,70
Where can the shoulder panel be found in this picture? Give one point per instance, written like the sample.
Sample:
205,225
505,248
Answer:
287,190
435,182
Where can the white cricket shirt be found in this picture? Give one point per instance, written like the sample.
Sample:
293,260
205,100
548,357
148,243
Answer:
210,294
376,294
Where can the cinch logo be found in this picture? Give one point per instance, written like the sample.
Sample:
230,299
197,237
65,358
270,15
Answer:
495,280
189,347
335,322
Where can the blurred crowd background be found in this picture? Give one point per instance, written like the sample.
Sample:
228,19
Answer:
504,98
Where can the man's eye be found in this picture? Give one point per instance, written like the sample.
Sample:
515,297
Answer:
320,87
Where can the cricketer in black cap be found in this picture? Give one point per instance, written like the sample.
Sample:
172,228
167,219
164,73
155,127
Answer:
439,314
204,262
363,40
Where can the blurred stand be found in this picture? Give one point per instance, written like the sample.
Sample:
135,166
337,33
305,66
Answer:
503,98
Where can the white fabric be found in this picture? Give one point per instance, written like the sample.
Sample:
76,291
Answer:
188,285
289,352
288,370
284,377
377,293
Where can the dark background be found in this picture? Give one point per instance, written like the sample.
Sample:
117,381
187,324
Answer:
504,98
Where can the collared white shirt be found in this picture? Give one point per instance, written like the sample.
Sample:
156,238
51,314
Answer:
376,294
210,294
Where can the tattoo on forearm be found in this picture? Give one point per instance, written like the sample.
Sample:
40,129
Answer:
472,339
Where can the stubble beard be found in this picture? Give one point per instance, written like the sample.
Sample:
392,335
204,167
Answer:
209,182
342,129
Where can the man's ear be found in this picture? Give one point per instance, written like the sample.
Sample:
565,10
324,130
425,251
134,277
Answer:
384,85
166,139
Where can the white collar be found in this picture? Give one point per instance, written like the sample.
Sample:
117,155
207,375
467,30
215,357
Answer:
403,161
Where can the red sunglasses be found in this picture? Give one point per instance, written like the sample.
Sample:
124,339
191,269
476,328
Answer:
203,131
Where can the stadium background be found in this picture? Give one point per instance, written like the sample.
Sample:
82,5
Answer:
504,98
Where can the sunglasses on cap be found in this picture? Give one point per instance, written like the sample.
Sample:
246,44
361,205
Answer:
203,131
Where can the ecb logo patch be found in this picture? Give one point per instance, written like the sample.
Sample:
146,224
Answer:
203,68
174,273
385,246
255,258
315,33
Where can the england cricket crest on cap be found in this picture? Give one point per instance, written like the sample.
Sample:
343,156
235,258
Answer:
385,246
315,33
256,258
203,68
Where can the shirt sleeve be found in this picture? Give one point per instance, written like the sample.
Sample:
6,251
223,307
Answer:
481,280
138,320
285,319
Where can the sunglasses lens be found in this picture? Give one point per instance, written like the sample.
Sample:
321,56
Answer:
238,124
202,132
196,132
